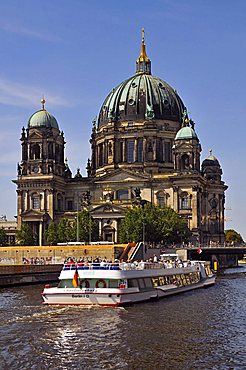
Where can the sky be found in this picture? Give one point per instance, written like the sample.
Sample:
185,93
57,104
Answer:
74,52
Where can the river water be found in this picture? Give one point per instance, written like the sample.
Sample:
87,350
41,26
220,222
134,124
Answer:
202,329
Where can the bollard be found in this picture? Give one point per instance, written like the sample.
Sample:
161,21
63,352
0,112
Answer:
215,265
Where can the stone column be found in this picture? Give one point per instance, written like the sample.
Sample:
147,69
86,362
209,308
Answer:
136,150
175,199
124,151
100,228
144,149
154,149
40,232
116,231
194,223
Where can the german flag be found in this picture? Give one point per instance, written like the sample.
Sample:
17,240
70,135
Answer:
75,281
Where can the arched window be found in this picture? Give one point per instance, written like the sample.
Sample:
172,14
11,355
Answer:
50,151
36,151
185,162
130,151
35,201
159,150
184,201
140,150
160,199
122,194
100,155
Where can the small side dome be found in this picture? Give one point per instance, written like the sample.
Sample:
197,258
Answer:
186,133
211,169
210,161
42,118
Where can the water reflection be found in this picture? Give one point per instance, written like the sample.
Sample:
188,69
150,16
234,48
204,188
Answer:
197,330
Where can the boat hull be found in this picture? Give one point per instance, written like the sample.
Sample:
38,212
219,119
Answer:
88,297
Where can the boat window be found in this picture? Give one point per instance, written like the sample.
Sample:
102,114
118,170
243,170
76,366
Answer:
132,283
188,281
208,270
176,280
162,280
155,282
167,280
113,283
141,283
183,279
66,283
148,282
195,277
86,283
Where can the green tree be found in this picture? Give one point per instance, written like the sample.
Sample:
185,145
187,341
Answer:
51,234
233,237
25,235
154,224
3,236
65,231
87,227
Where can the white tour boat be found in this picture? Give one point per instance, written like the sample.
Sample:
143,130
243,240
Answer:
119,284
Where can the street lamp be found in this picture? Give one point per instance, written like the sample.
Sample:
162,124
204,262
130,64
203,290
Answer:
89,226
143,232
77,231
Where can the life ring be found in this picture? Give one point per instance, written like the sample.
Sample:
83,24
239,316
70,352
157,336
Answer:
99,282
86,283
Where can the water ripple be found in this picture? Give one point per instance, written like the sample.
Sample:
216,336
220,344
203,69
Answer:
203,329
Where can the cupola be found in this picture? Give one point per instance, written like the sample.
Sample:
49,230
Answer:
42,118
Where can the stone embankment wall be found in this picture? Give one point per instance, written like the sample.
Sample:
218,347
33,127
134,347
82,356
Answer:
57,254
13,275
32,264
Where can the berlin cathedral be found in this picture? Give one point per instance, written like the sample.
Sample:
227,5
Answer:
144,148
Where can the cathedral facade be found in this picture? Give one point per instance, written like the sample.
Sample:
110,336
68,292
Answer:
144,148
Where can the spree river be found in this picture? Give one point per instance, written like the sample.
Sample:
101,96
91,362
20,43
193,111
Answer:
202,329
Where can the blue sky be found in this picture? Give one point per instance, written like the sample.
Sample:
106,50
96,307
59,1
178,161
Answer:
74,52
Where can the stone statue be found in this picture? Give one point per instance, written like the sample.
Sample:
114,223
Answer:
19,169
137,192
86,198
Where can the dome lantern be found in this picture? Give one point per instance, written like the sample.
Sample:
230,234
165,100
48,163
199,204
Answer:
143,63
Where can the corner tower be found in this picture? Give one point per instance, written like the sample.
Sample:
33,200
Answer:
41,172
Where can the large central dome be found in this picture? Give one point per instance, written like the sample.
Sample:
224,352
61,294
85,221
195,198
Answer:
142,97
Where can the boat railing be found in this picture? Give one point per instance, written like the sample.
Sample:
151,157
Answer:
91,266
120,265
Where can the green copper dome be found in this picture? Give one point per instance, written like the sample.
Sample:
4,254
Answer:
186,133
42,118
141,97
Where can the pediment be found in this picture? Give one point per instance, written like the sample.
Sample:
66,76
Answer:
122,176
33,214
107,209
35,134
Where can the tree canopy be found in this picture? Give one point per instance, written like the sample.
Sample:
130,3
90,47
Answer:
25,235
153,224
68,230
2,236
233,237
